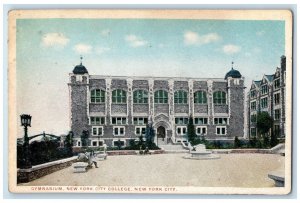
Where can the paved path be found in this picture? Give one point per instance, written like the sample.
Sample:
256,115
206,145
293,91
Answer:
232,170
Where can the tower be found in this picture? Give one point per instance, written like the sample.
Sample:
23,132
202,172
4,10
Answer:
236,103
78,98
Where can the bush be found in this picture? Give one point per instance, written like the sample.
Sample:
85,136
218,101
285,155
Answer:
237,143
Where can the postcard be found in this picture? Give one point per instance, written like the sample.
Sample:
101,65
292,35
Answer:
150,101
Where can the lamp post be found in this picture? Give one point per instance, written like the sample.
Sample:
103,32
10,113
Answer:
26,121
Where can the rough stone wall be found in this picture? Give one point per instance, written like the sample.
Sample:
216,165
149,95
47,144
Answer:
118,109
220,108
200,85
236,120
181,85
97,84
181,108
200,108
141,108
79,109
118,84
161,84
97,108
161,108
140,84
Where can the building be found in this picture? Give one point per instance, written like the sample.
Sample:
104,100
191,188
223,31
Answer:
268,94
116,109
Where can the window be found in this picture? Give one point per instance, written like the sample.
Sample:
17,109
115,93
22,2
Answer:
78,143
276,83
201,130
253,118
97,131
219,97
96,143
119,96
97,96
253,105
118,120
200,97
252,93
140,121
264,89
181,130
277,130
97,120
180,97
140,97
119,131
221,130
220,121
264,102
161,97
140,130
181,121
253,132
119,143
277,98
200,121
277,114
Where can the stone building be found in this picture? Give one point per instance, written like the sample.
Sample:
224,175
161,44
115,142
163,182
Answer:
116,109
268,94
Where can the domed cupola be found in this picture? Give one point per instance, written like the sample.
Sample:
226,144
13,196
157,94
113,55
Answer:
80,69
233,73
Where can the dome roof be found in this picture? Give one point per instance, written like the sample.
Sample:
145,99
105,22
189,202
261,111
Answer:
233,73
80,69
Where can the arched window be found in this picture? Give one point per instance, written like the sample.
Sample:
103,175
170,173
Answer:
119,96
140,97
97,96
161,97
219,97
180,97
200,97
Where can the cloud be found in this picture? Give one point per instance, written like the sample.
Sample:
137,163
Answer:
231,49
101,50
105,32
82,48
260,33
193,38
135,41
54,39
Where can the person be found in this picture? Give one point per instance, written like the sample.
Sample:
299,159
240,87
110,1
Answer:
91,158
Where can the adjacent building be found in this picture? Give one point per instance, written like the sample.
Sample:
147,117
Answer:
116,109
268,94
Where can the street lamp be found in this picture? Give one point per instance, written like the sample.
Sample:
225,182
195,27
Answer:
26,121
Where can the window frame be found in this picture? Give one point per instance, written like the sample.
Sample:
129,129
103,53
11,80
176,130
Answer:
253,105
203,121
277,98
221,127
161,97
101,120
200,97
180,97
181,120
119,130
118,118
140,129
181,130
140,99
118,99
97,99
264,102
201,127
226,119
220,97
97,129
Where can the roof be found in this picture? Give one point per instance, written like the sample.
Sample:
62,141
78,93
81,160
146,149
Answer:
270,77
233,73
80,69
257,82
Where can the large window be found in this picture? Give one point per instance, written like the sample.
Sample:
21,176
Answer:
264,89
200,97
181,130
253,118
264,102
140,97
253,93
219,97
161,97
118,120
96,120
277,98
200,121
220,121
119,96
97,96
180,121
253,105
140,121
180,97
253,132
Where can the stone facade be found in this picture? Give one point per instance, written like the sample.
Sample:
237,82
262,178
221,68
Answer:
121,111
268,94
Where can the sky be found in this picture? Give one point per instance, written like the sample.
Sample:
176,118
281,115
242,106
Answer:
48,50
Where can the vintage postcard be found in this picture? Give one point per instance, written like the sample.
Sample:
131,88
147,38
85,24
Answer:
150,101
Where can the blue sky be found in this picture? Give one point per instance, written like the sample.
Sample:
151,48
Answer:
48,49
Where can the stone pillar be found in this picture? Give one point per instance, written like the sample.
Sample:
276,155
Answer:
171,109
151,97
129,101
210,102
108,101
191,98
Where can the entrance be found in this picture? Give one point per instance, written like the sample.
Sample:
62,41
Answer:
161,134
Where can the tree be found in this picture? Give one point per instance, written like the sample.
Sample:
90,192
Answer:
191,133
69,143
264,122
150,133
84,138
237,142
274,140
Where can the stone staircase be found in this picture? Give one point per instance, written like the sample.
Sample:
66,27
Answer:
173,148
